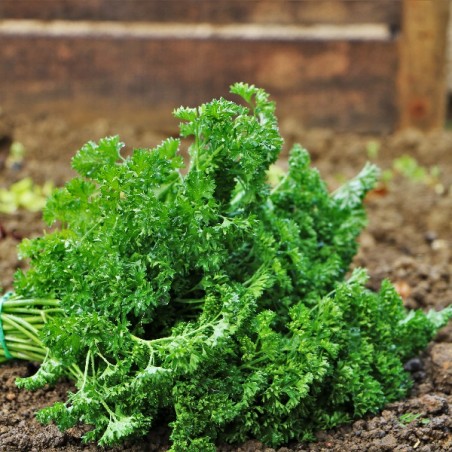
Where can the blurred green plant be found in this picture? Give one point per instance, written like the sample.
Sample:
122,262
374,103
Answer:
405,166
408,418
373,149
24,194
410,168
16,155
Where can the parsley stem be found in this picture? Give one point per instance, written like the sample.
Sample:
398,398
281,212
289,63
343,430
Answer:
195,301
12,303
279,184
109,411
75,371
160,340
24,347
23,319
85,373
21,326
26,356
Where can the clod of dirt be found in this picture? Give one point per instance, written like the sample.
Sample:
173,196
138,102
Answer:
434,404
442,364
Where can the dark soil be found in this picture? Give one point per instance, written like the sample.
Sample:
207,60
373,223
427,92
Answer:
408,240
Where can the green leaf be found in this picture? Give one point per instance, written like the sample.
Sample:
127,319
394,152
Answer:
440,318
352,193
93,157
122,427
48,373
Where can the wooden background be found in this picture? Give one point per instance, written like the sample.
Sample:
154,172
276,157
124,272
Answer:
344,64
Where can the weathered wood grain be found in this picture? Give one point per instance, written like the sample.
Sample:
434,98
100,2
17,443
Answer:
210,11
348,85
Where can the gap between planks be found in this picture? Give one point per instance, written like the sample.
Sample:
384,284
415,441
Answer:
61,28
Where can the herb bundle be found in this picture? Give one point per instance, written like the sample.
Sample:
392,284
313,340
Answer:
207,298
20,323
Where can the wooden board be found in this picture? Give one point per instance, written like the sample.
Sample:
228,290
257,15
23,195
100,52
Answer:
346,85
210,11
422,56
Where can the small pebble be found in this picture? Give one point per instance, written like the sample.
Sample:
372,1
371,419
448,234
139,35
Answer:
413,365
11,396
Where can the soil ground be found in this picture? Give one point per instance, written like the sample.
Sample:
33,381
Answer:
408,240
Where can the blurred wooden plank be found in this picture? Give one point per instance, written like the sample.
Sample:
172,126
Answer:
422,74
211,11
346,85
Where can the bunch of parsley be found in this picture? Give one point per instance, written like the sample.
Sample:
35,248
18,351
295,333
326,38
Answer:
208,299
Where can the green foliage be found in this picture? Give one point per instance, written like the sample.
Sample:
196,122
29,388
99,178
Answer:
212,300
